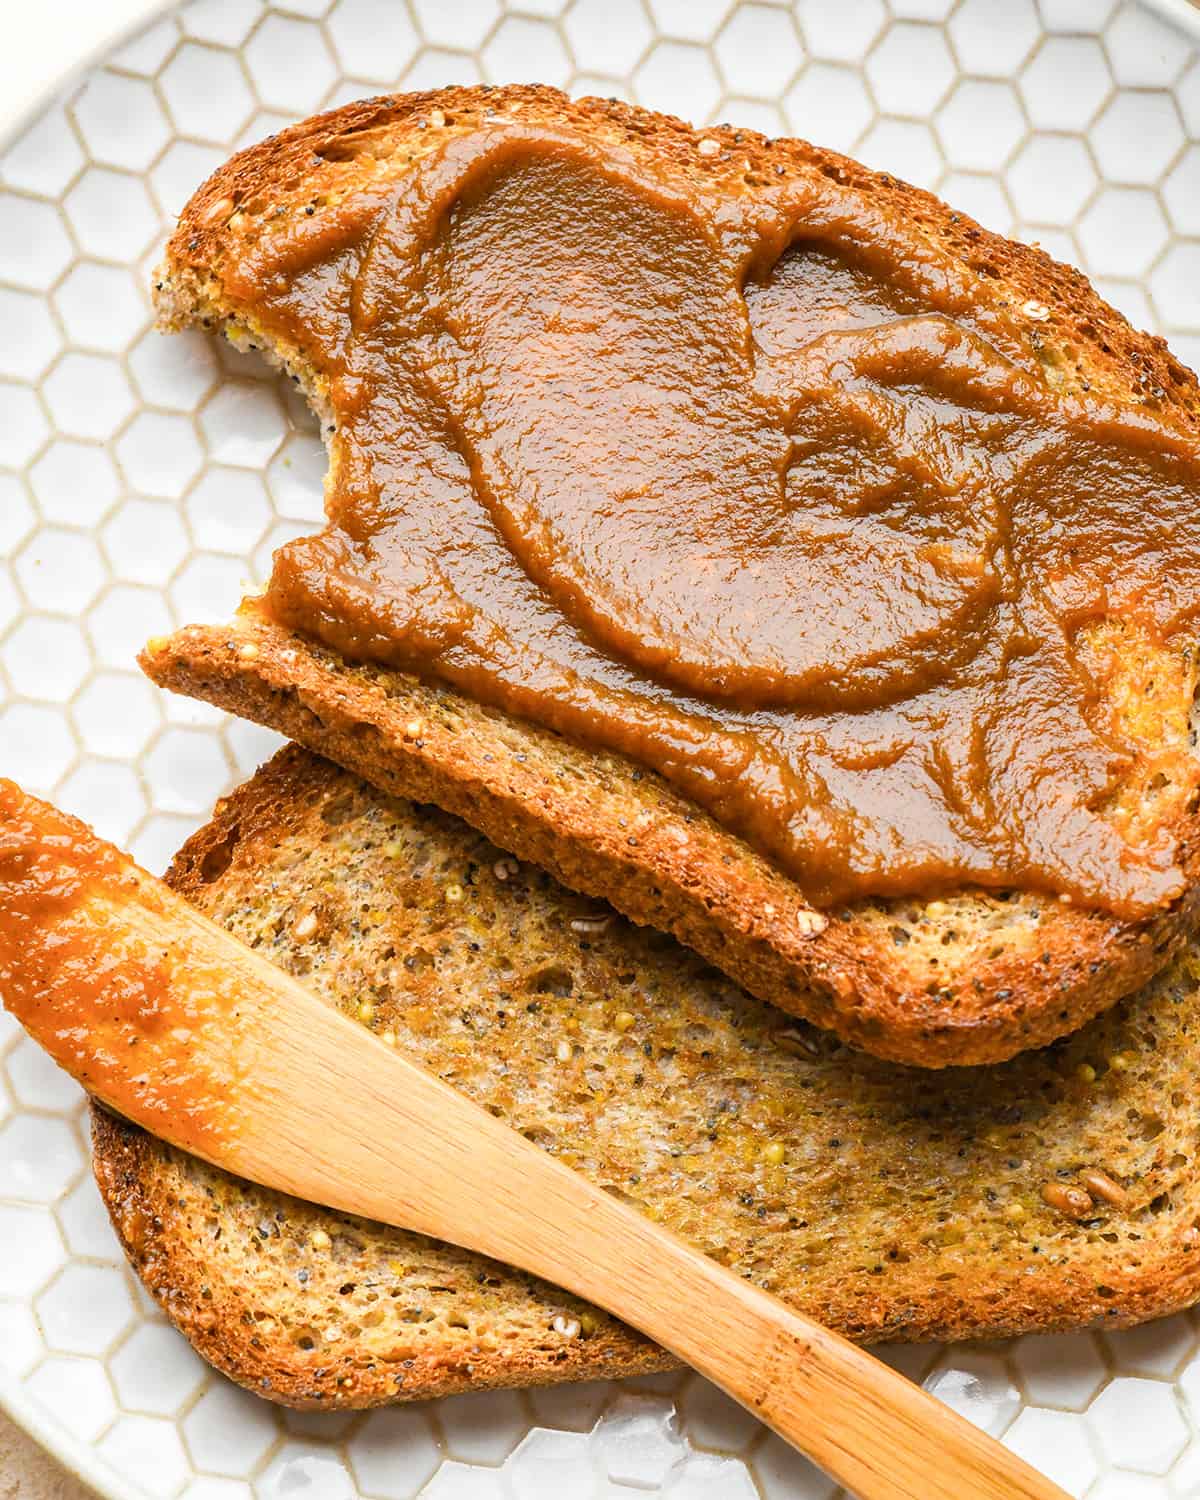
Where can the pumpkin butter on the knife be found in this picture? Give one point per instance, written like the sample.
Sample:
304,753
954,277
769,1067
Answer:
752,488
154,1030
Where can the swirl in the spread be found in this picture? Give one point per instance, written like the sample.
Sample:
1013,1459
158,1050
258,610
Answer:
751,487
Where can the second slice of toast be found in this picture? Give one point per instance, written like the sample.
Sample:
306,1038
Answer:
1054,1191
970,977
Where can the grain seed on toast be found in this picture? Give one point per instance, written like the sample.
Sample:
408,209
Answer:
973,976
1056,1190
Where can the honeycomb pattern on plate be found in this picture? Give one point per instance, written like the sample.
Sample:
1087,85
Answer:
144,481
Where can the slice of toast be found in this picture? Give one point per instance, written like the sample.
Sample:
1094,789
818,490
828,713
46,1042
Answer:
973,977
1056,1190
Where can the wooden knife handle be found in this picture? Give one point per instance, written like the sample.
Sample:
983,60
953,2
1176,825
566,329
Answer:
177,1025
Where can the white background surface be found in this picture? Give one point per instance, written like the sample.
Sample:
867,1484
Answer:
154,476
46,39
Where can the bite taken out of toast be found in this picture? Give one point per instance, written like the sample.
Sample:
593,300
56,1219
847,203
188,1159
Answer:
1053,1191
972,976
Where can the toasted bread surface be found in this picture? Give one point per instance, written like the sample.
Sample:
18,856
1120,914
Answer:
973,977
1053,1191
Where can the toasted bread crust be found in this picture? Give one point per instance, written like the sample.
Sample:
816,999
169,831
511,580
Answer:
139,1180
935,1166
972,980
603,826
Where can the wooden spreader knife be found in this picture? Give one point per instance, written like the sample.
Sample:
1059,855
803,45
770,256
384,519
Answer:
173,1023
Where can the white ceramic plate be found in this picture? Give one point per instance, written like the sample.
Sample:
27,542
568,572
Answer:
143,480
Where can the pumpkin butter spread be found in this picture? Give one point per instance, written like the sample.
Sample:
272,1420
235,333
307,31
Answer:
751,487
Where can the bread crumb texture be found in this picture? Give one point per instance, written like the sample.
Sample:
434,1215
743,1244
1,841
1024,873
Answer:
1053,1191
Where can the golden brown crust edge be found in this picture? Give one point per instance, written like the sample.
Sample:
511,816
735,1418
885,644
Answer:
608,829
1067,967
129,1168
310,158
211,1315
176,1275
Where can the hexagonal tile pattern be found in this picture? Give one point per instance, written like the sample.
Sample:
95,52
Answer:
35,248
1056,1444
679,78
981,124
155,1370
46,157
758,51
186,770
207,92
38,745
372,43
101,307
979,1387
107,796
144,480
1145,51
464,24
148,1449
145,541
243,424
76,1394
33,1249
703,1478
712,1420
483,1428
23,424
829,102
121,622
607,36
637,1440
907,148
841,33
175,175
1175,285
82,1216
37,1082
17,515
1123,232
1063,1371
46,658
394,1453
522,50
1137,137
160,454
21,1343
112,214
911,70
291,64
32,339
1065,83
120,120
305,1467
1052,176
89,396
60,570
784,1475
85,1310
551,1463
40,1157
74,482
228,1432
1157,1349
455,1481
1181,192
1138,1424
117,714
993,40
